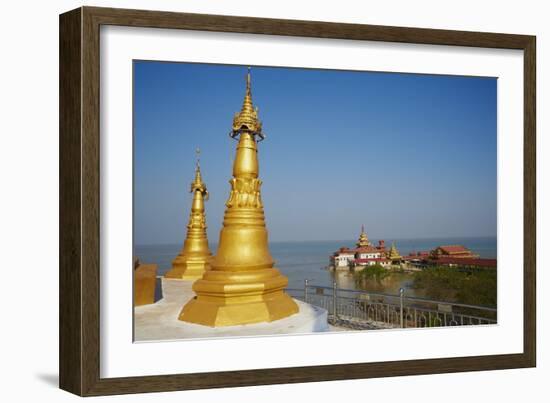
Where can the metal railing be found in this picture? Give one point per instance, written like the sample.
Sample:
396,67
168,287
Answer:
366,310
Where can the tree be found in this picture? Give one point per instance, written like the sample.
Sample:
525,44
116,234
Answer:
455,285
375,272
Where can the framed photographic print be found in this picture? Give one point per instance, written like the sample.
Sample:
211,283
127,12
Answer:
249,201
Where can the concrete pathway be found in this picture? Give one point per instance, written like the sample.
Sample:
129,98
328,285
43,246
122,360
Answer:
159,321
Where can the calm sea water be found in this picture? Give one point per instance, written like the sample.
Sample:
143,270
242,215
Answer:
309,259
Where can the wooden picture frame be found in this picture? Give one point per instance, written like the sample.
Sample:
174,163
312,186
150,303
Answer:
79,201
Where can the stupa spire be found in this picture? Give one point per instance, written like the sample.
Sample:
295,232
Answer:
243,286
363,239
247,119
198,184
194,258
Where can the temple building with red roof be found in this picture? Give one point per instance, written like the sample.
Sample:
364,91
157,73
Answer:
453,251
364,254
449,255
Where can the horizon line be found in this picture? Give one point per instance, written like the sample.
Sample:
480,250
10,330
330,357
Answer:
337,240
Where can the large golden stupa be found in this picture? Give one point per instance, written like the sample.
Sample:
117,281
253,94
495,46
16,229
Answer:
242,286
194,258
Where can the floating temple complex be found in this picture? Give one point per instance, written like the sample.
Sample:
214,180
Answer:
194,258
242,286
367,254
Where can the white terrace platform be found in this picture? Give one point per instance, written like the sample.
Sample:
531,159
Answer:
159,321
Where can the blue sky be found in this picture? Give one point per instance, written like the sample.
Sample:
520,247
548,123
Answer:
409,156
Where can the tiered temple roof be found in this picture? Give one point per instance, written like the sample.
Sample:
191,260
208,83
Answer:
364,246
363,240
394,253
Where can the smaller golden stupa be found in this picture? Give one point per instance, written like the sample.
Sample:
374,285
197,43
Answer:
393,254
363,239
194,258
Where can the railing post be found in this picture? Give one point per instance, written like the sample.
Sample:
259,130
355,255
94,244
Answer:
401,292
335,300
305,290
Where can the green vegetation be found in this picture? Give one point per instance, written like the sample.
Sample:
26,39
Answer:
463,286
375,272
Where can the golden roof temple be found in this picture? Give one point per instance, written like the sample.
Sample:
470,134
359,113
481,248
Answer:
363,240
194,258
242,286
393,254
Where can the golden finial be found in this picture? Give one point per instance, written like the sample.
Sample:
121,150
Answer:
248,90
198,184
198,154
247,119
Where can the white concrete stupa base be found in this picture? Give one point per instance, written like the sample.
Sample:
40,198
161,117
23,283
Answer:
159,321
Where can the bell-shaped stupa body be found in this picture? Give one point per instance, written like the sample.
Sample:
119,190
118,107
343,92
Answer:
242,286
194,258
